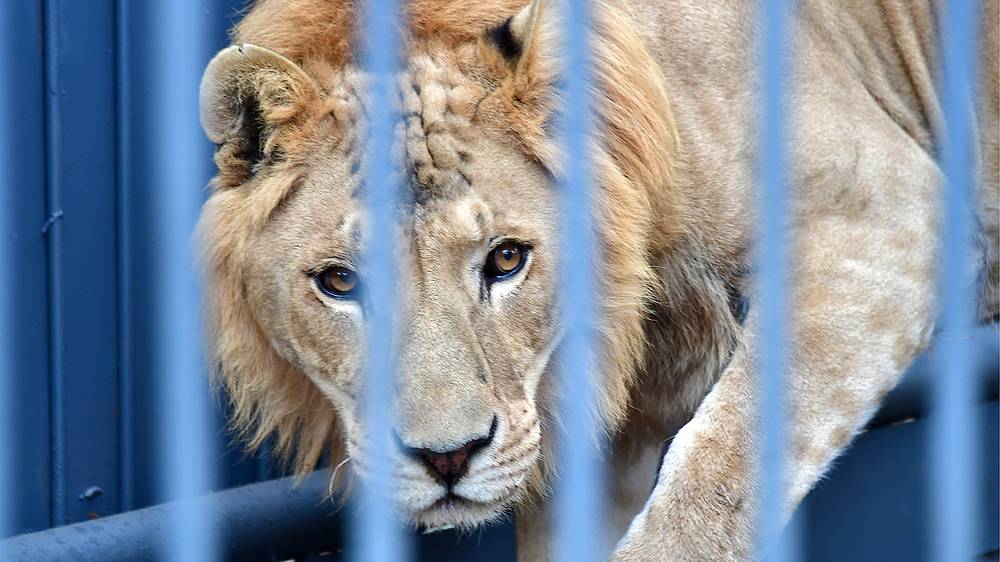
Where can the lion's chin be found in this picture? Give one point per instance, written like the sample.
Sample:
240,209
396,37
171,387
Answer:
453,511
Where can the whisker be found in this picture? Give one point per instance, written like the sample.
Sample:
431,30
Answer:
333,478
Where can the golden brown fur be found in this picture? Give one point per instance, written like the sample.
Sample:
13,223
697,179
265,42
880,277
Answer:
673,158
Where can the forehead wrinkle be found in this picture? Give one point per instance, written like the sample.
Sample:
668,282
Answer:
434,104
473,217
437,121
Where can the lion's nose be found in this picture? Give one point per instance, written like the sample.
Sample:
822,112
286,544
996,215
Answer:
449,466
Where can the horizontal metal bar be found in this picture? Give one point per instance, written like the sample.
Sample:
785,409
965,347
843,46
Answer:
273,520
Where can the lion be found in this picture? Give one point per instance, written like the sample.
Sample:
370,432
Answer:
478,248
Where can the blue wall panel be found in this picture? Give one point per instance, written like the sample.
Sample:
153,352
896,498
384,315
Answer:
80,236
874,505
22,75
139,152
81,232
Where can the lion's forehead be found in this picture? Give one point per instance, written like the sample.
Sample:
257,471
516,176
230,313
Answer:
436,133
460,182
438,109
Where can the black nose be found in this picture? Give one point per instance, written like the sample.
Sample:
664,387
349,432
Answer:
449,466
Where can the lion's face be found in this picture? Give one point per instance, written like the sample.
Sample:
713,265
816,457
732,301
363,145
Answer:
476,235
476,252
477,260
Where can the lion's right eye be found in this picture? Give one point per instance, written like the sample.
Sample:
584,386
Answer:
338,282
505,261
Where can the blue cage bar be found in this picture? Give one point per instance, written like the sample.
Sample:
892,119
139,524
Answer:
772,275
377,534
579,501
953,488
181,172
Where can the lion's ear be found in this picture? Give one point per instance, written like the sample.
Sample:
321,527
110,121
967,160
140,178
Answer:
248,96
528,43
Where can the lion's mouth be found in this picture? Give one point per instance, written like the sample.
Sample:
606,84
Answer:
454,510
448,502
453,500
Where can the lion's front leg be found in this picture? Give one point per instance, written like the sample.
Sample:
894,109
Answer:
632,469
701,506
533,525
861,311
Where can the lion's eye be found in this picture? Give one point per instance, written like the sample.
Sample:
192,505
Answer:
338,282
505,260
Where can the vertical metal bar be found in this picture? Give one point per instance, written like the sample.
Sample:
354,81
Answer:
180,174
952,430
377,534
772,274
7,185
579,501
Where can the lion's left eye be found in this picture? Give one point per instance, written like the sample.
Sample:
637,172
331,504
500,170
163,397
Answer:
505,260
338,282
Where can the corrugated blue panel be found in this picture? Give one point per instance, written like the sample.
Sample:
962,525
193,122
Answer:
141,151
80,119
25,298
7,266
875,505
82,234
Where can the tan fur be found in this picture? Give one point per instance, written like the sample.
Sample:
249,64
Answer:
673,160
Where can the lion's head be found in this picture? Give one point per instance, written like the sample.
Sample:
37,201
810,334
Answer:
477,317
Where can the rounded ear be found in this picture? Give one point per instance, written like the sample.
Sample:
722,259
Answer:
528,43
248,95
525,53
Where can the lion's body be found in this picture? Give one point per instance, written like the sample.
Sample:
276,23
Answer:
676,205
